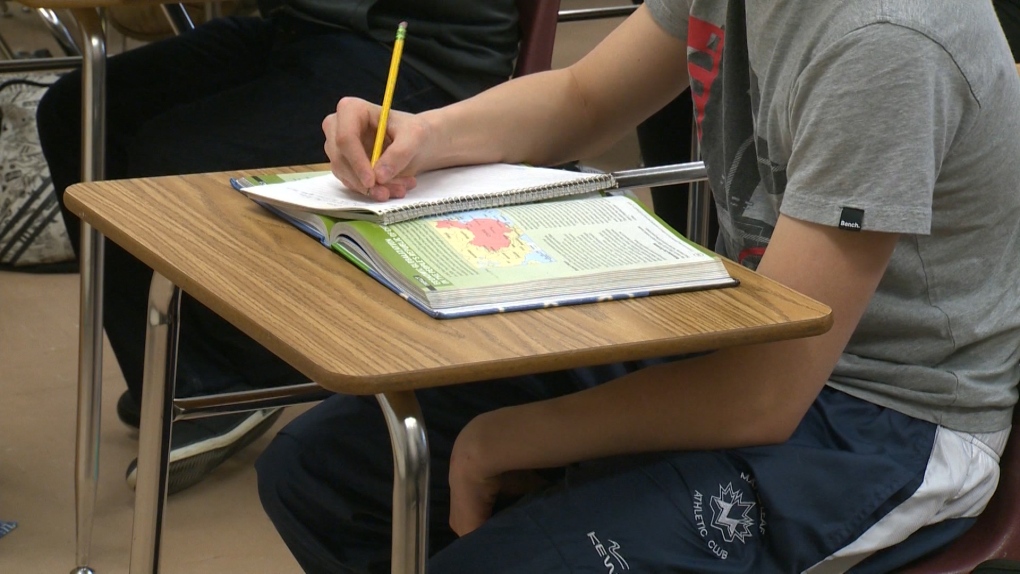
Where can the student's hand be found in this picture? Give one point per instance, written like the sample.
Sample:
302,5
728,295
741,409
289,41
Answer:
350,137
476,480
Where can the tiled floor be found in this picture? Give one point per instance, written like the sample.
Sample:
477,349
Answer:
217,527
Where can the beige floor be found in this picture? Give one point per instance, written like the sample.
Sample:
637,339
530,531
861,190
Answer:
216,527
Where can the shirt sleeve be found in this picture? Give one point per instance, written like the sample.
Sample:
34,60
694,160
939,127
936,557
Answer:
671,15
871,119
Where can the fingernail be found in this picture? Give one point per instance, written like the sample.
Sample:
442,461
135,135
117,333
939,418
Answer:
383,173
366,178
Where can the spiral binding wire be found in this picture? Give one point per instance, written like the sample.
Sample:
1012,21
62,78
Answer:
587,184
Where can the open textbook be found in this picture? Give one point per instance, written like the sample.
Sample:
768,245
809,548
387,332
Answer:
439,191
524,256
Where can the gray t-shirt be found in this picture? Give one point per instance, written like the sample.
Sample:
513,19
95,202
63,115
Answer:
883,116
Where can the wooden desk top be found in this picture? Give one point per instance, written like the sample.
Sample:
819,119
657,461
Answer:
350,334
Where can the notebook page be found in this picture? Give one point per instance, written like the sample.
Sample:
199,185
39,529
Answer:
325,194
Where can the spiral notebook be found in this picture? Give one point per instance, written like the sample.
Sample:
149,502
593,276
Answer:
437,192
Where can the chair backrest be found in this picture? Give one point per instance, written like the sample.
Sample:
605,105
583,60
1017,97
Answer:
538,20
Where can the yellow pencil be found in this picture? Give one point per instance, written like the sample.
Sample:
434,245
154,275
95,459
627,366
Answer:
391,84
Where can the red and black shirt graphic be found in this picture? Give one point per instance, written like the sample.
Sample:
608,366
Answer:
746,184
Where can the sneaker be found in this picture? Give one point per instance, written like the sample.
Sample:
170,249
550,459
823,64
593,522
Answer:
197,446
129,411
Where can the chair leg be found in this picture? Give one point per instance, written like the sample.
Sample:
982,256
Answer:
90,393
59,31
90,349
5,49
213,9
179,19
158,383
410,481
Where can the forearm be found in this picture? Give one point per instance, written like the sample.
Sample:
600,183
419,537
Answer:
731,398
734,397
566,114
539,119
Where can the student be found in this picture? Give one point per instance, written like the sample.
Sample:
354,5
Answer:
246,92
863,153
662,137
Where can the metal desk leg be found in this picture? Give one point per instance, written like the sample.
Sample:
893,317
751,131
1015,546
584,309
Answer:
157,415
90,341
410,481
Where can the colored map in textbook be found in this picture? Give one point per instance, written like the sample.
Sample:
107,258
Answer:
487,239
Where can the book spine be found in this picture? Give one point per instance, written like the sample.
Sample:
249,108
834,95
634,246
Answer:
592,183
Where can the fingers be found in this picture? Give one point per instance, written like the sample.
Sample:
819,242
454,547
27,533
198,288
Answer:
520,482
471,504
394,189
349,138
406,136
472,498
345,133
394,171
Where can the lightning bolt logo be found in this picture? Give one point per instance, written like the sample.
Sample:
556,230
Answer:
730,514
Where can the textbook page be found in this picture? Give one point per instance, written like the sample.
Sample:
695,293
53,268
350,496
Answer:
552,248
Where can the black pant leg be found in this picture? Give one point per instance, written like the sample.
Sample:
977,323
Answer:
235,93
326,479
1009,16
141,84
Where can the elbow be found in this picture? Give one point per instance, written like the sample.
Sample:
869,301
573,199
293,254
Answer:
780,431
774,423
780,405
765,434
